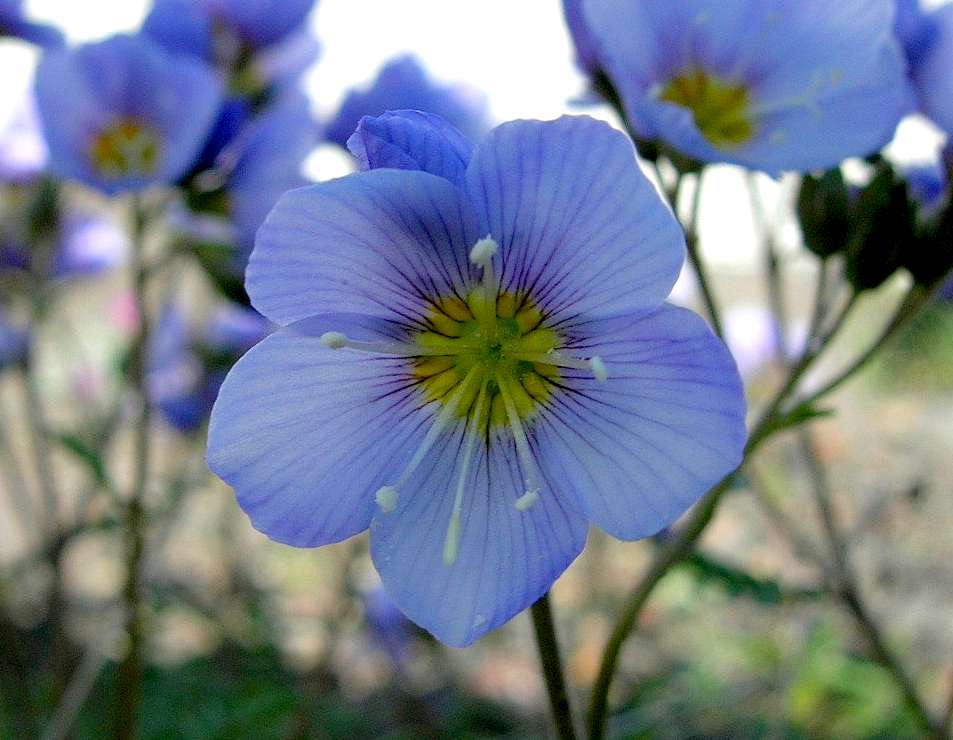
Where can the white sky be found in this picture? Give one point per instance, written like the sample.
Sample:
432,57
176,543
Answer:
517,51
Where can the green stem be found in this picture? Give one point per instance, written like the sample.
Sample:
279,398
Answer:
545,629
681,544
698,264
849,591
129,678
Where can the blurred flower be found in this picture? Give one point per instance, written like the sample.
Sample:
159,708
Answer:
186,369
403,84
268,158
587,53
23,153
388,626
915,28
931,67
476,365
752,334
12,23
123,114
927,185
225,31
13,343
767,84
87,245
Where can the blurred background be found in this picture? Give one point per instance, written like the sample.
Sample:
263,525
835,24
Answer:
245,638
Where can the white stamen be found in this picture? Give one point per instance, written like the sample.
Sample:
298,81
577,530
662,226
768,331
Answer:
444,417
594,364
337,340
452,544
599,369
484,251
527,500
522,444
386,498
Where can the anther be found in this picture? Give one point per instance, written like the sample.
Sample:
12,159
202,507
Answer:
527,500
484,251
386,498
334,340
598,369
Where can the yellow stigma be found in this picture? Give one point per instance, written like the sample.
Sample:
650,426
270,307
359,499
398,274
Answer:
722,110
500,342
125,147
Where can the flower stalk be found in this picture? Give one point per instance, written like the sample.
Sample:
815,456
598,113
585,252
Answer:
552,668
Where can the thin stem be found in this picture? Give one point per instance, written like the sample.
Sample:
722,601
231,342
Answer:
914,300
129,679
551,663
682,543
698,264
772,268
849,591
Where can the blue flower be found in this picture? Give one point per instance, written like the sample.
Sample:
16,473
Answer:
86,245
268,159
476,366
23,153
12,23
932,69
122,114
915,29
13,343
767,84
186,369
587,52
404,84
204,27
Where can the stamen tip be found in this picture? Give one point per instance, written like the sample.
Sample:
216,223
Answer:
484,250
527,500
334,339
599,369
386,498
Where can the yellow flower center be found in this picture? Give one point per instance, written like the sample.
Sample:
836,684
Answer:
487,359
126,147
721,109
502,345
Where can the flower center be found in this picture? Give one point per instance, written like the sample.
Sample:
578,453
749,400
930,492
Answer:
126,147
488,360
721,109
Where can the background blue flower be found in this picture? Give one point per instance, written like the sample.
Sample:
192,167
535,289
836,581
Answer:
768,84
931,68
114,112
403,83
14,23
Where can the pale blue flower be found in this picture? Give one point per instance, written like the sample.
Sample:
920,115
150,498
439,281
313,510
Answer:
931,68
14,23
767,84
404,84
475,365
123,114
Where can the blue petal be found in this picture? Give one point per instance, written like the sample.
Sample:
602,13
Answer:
826,81
12,23
175,375
89,245
383,242
411,140
580,227
403,84
261,22
181,27
507,558
269,160
933,77
587,52
637,450
80,92
306,435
